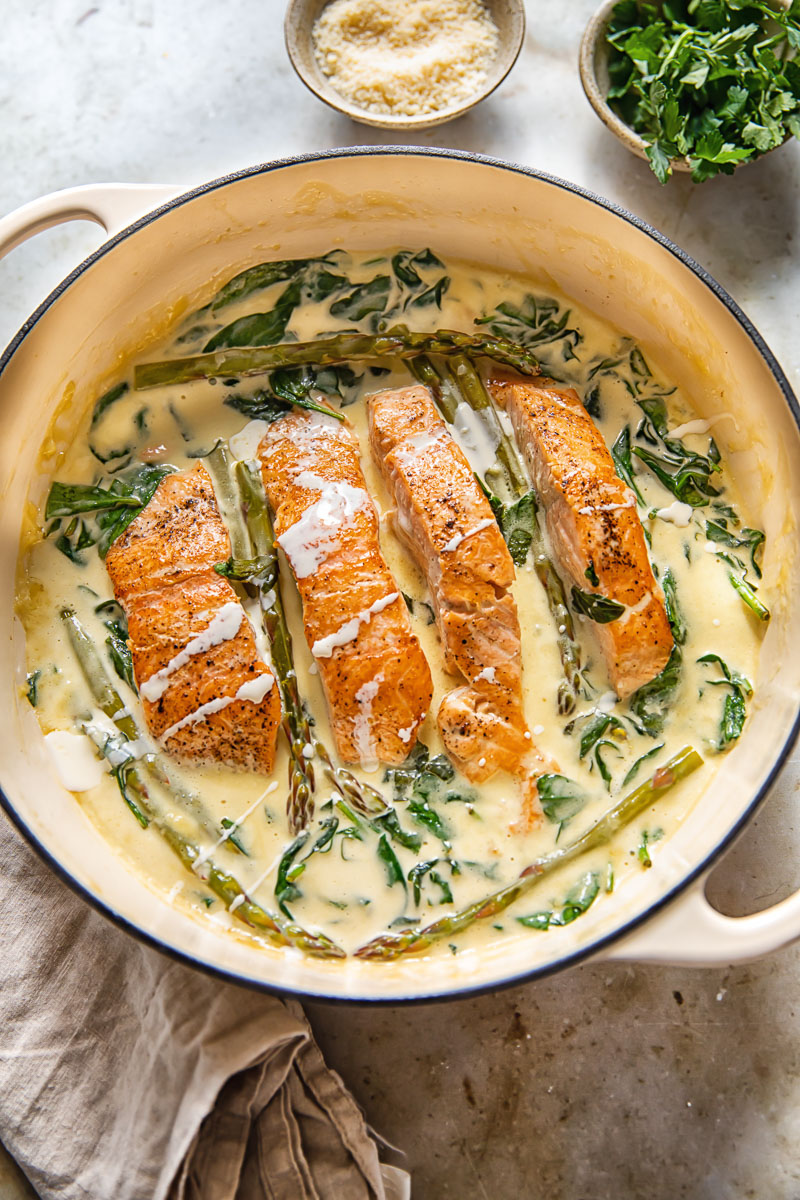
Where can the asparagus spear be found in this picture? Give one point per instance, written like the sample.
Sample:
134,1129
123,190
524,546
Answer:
220,463
392,945
222,883
397,342
296,726
750,598
444,393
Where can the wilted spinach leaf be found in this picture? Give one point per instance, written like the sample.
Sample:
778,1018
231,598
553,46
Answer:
286,890
365,298
750,539
114,507
734,709
518,524
601,609
113,617
407,264
561,798
578,900
32,687
394,872
651,702
264,275
538,321
674,614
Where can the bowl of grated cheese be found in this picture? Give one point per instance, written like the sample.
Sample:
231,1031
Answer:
403,64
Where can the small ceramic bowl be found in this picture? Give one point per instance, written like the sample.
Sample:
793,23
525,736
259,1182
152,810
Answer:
301,15
593,63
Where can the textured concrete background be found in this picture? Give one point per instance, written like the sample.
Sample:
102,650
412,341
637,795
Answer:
609,1081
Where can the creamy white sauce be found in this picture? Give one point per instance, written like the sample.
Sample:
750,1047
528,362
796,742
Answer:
633,610
480,824
362,730
244,445
75,762
699,426
232,828
589,509
472,435
678,513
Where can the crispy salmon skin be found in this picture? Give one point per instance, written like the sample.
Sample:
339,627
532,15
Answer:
375,676
206,693
445,519
592,523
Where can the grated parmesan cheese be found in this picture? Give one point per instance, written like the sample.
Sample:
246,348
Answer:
405,57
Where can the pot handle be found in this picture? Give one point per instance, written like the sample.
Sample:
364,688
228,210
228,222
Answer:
112,205
692,933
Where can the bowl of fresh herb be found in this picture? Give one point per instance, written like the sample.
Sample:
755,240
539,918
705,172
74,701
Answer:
698,86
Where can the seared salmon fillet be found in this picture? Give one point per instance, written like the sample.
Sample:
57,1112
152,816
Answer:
376,679
592,522
206,693
447,522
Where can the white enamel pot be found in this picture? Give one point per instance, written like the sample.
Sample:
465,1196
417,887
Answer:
495,215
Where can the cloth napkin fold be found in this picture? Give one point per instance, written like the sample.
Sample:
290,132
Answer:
125,1076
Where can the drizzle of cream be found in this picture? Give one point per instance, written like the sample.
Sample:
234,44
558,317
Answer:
700,426
325,646
224,626
458,538
406,734
418,443
252,689
587,511
244,444
488,673
253,888
234,825
74,760
312,539
633,610
362,733
678,513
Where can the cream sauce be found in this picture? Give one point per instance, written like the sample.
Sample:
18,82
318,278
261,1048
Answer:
345,891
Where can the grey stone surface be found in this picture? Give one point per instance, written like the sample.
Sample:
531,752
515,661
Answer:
609,1082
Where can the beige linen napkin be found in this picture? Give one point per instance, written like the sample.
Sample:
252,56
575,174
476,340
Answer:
125,1076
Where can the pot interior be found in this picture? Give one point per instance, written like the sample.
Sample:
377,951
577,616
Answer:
127,296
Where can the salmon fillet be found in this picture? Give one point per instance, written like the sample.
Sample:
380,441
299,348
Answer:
375,676
205,692
447,522
592,522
